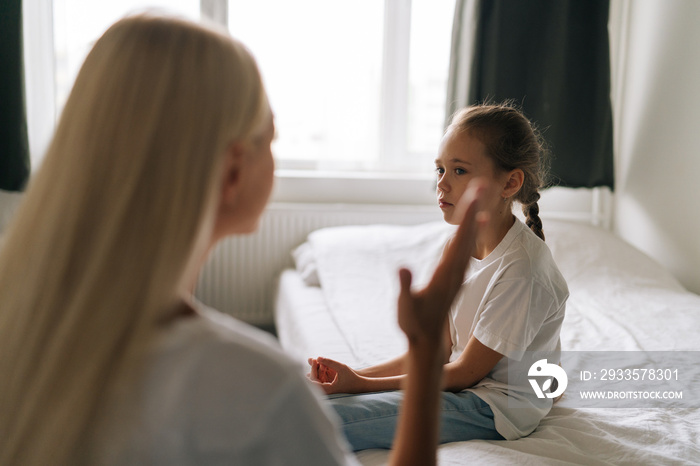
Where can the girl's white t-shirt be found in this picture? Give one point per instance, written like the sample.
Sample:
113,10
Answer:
513,302
217,391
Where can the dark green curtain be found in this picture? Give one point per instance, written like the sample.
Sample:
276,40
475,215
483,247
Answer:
14,145
552,58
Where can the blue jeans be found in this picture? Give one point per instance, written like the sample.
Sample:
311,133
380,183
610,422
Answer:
369,419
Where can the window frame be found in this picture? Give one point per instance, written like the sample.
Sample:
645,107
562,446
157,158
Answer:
292,185
365,187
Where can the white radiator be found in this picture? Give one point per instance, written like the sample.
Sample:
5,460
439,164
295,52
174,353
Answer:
241,275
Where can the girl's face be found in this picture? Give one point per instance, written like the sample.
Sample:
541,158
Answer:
462,158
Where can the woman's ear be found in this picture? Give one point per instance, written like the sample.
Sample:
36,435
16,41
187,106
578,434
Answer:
230,190
231,172
513,183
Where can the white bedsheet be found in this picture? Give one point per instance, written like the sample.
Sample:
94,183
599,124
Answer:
621,300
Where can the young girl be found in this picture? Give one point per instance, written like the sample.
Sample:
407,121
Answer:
163,148
510,310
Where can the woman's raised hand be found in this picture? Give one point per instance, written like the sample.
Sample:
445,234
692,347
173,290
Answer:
422,313
422,317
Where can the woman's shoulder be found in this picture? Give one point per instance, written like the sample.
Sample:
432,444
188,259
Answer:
215,389
218,339
214,369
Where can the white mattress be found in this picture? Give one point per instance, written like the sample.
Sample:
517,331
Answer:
621,300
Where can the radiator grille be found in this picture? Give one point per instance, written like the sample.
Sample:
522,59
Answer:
240,277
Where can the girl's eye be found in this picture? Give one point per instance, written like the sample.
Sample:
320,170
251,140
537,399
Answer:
439,170
460,171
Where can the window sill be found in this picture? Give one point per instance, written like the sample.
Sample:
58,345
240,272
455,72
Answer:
300,186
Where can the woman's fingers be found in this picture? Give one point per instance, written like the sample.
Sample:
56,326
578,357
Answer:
405,279
467,207
449,274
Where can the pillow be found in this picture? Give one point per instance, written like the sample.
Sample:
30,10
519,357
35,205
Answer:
306,264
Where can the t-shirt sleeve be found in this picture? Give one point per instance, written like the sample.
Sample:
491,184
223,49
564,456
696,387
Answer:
513,314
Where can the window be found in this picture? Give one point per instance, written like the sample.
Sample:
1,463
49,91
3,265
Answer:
354,86
77,24
358,88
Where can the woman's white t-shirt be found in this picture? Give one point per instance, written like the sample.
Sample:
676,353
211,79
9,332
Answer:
217,391
513,302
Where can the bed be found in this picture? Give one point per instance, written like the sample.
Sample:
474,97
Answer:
339,302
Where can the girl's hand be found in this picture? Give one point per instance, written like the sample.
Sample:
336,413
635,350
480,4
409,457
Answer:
320,372
422,313
334,377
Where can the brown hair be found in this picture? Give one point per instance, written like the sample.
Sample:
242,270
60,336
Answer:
512,142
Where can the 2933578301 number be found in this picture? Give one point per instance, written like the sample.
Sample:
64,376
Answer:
614,375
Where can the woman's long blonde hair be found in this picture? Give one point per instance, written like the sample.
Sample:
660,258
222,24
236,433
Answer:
113,223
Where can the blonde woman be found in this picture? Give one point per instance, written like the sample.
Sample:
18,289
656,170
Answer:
163,149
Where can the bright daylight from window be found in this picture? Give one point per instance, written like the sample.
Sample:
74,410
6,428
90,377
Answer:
354,86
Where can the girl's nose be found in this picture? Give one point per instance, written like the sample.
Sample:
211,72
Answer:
442,184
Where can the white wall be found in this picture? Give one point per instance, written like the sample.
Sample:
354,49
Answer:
657,105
